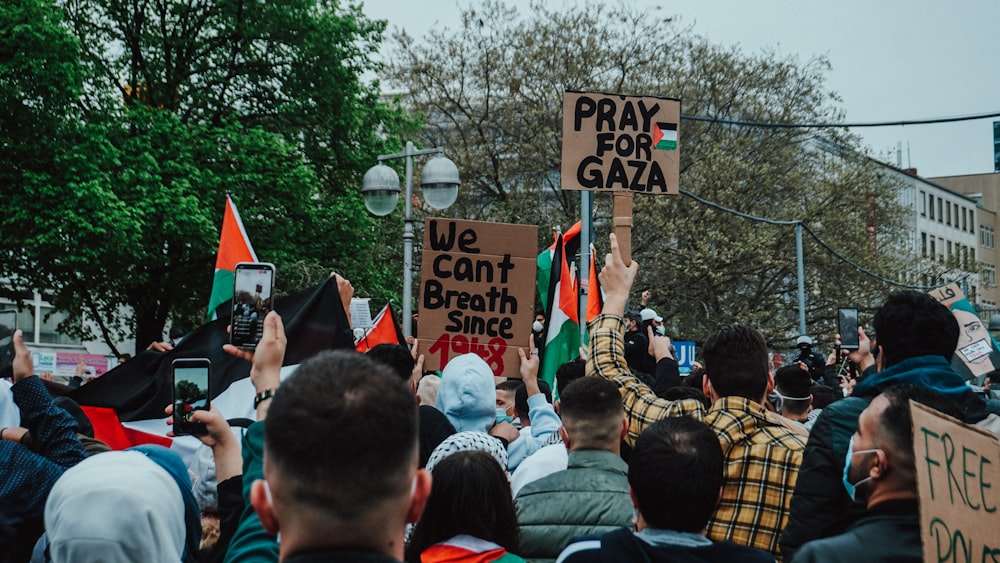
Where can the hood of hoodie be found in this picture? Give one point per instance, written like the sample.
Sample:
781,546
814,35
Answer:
467,394
116,506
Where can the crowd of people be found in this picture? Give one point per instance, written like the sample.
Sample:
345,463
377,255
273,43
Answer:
366,458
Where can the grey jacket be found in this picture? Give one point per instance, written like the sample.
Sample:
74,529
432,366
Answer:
589,497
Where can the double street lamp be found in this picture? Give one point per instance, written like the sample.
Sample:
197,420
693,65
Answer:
380,189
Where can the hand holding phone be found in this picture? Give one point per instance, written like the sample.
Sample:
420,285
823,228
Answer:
191,393
253,299
847,325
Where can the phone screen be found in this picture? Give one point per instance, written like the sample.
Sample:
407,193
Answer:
190,394
8,324
252,300
847,326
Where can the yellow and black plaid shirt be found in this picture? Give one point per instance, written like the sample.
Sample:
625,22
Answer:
762,454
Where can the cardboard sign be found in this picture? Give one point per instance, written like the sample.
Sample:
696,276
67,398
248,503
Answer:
976,353
958,478
620,143
477,292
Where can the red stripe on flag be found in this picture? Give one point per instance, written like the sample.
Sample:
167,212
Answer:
108,429
234,245
383,331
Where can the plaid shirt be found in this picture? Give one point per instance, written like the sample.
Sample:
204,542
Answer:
762,454
762,464
642,406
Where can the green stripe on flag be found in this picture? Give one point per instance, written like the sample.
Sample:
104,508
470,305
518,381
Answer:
222,291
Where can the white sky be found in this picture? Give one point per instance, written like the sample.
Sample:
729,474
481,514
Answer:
892,60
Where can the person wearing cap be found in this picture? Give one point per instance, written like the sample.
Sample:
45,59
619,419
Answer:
814,362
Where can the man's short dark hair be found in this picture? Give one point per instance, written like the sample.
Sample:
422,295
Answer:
912,323
570,372
521,398
509,385
341,435
793,384
823,395
592,412
396,356
736,362
896,421
676,474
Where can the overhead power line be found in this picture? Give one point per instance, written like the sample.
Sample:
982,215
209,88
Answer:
815,237
775,125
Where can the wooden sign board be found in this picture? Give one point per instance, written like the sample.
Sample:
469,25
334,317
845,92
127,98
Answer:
477,292
958,479
976,353
620,143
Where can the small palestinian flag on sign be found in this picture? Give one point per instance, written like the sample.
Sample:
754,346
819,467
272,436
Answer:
665,136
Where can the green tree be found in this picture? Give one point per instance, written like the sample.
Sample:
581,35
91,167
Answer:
177,103
491,91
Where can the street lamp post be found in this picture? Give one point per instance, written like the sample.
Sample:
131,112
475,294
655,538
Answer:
439,181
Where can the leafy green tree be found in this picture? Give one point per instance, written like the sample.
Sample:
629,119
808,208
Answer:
491,91
172,105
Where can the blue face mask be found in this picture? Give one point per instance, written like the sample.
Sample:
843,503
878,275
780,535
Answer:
852,488
661,331
502,416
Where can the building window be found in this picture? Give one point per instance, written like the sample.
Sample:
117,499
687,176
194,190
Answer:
986,237
923,244
947,212
948,254
965,220
930,205
933,248
940,210
955,213
923,203
989,275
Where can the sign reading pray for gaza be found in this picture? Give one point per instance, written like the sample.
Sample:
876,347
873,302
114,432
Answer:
620,143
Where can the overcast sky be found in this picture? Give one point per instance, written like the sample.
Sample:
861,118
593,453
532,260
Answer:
892,60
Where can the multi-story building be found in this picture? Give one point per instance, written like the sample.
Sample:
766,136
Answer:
984,189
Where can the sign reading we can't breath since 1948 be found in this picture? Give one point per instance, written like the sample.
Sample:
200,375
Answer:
620,143
477,292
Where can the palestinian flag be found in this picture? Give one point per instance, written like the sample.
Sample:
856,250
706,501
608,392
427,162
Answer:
126,404
384,330
234,247
572,240
595,295
467,549
665,136
562,320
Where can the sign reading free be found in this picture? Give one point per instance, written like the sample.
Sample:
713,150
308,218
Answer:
477,292
620,143
958,479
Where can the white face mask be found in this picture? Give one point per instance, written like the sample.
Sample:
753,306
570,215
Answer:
661,331
537,326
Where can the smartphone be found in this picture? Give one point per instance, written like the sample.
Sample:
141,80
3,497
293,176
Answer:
8,324
191,393
253,299
847,326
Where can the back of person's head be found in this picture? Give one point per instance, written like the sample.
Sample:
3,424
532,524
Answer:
467,442
681,392
509,385
521,399
736,362
123,506
467,394
823,395
471,496
676,474
427,389
592,414
570,372
395,356
912,323
341,438
895,424
793,384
